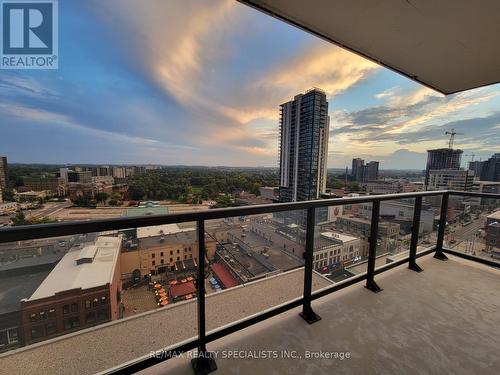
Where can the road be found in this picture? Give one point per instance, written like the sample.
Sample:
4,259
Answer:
49,209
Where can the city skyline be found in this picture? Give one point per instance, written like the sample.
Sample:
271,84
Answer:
212,96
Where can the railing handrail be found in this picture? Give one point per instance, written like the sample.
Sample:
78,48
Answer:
37,231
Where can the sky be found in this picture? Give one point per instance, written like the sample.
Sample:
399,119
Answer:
196,82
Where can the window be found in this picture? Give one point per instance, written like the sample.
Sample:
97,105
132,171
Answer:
102,315
161,261
178,258
36,332
171,260
74,307
153,263
51,328
3,338
90,317
12,335
71,322
171,252
65,309
8,336
178,251
161,254
152,255
185,249
51,314
185,256
95,302
88,304
104,300
33,317
42,315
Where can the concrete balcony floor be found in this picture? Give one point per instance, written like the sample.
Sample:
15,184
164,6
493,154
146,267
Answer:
445,320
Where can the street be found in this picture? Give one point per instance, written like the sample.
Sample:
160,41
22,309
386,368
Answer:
49,208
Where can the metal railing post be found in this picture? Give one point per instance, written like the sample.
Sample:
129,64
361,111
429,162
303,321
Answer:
307,312
442,226
412,264
372,250
204,363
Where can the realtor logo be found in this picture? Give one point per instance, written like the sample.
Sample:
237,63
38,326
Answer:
29,37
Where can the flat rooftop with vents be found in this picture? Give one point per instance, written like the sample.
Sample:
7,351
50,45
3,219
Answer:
85,268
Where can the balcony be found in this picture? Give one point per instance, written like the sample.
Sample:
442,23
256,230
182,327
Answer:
411,324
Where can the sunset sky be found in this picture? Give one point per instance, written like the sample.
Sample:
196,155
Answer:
200,83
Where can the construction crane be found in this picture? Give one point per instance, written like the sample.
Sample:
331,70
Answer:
452,134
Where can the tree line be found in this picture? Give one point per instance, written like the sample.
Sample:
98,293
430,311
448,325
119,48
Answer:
185,184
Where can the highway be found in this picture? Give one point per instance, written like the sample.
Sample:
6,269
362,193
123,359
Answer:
48,209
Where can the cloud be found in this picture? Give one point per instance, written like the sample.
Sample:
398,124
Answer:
58,120
322,65
184,61
319,64
15,85
408,118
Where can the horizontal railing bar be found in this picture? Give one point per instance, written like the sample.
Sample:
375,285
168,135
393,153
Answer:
29,232
474,194
487,262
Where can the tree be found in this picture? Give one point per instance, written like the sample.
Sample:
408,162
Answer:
223,201
83,201
102,197
8,195
19,219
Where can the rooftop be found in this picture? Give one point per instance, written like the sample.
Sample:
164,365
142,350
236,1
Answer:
25,263
67,274
338,237
161,229
185,237
146,211
495,215
15,288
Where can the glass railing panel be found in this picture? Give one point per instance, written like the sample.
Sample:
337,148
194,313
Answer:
137,285
342,251
255,262
474,226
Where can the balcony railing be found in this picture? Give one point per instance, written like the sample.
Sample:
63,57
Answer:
204,363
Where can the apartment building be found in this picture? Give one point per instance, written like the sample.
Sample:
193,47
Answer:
388,233
159,253
83,290
335,249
